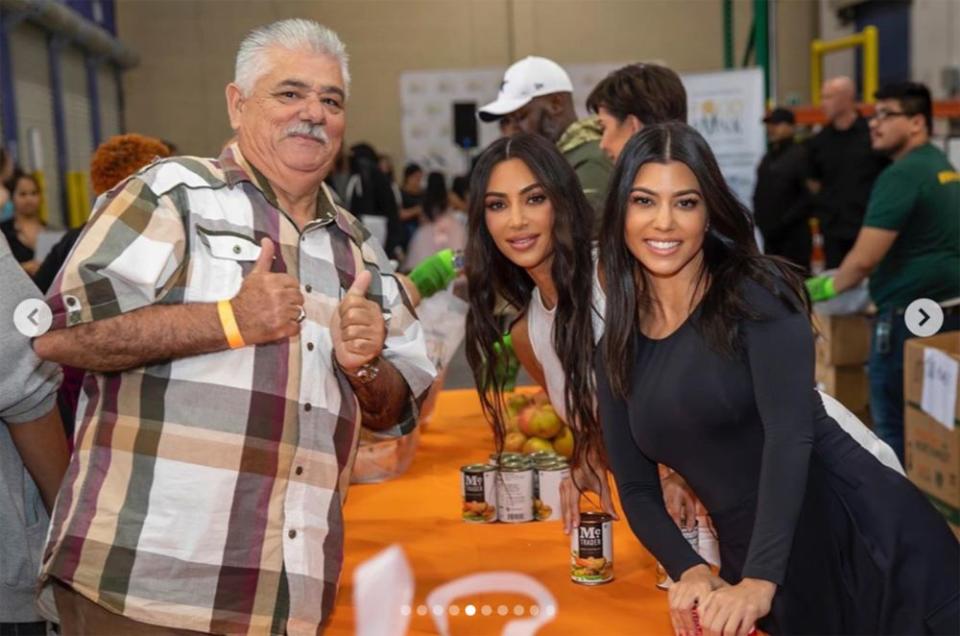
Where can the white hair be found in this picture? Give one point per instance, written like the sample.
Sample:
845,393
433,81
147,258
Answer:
294,34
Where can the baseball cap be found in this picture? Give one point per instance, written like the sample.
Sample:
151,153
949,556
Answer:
780,116
530,77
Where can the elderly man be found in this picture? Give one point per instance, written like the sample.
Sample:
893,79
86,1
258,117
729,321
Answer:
239,328
842,169
536,96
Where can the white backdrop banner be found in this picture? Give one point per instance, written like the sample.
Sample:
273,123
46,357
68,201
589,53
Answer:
427,99
726,107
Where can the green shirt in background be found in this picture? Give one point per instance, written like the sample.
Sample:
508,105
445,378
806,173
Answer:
580,145
918,197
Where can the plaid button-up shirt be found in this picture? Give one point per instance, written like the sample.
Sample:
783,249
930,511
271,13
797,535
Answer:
206,492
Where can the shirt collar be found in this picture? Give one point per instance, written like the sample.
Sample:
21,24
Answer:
236,169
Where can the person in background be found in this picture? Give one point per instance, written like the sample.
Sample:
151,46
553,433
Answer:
436,197
33,456
232,318
507,127
459,193
707,365
386,167
781,201
370,198
7,168
843,168
634,96
411,199
22,230
909,245
536,96
444,230
339,178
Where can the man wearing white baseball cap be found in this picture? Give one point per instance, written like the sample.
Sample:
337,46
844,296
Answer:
536,96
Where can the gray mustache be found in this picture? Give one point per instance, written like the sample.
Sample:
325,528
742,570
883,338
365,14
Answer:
314,131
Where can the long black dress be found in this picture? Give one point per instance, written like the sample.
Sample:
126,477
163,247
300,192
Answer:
854,547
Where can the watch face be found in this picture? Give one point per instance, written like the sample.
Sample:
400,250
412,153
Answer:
368,372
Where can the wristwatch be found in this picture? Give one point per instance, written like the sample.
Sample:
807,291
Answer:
366,373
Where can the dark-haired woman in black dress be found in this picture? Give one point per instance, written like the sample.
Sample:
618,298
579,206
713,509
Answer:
707,367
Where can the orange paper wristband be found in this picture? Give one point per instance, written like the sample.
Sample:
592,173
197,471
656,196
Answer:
229,323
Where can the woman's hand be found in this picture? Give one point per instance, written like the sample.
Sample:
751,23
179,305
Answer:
695,585
679,500
734,610
570,496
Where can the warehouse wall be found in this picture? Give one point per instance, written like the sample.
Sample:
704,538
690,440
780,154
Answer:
187,49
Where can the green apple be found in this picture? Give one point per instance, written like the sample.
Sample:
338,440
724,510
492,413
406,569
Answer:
535,444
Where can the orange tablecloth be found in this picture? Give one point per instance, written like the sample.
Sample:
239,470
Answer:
421,512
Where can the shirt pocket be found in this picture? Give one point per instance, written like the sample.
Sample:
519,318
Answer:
221,260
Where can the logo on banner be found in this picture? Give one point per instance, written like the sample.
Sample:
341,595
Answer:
719,117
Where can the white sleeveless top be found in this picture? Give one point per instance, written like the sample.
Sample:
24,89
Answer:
540,329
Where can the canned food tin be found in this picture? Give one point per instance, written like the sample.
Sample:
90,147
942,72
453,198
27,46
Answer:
515,492
546,503
497,458
591,549
478,487
539,456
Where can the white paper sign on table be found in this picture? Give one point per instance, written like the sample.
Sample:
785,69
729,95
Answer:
383,588
940,373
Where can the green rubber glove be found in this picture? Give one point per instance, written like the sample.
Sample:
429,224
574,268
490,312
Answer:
507,365
820,288
434,273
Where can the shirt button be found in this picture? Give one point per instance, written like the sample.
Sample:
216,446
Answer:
308,288
309,346
307,407
299,470
292,534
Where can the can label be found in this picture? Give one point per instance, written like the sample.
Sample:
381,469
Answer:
478,487
515,494
546,503
591,550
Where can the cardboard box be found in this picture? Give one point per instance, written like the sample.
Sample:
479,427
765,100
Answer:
933,461
932,449
948,342
848,384
843,340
